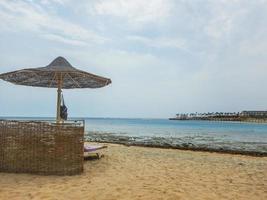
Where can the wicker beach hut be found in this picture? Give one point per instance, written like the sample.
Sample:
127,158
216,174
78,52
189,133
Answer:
40,146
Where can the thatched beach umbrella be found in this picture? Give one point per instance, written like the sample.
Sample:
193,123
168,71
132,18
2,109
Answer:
58,74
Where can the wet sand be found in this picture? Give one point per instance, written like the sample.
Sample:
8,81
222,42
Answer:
148,173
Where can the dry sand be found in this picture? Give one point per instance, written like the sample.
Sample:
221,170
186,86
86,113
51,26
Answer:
148,173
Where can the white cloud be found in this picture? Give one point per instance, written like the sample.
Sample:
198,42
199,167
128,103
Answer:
48,2
219,26
26,16
159,42
223,17
248,48
61,39
135,12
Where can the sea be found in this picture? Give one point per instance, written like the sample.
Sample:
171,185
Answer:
212,135
191,134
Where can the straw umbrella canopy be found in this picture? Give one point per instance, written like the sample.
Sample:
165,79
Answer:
58,74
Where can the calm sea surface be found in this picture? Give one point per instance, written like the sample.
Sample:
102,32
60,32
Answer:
211,134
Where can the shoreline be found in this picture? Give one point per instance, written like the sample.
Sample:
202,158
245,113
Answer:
193,149
175,143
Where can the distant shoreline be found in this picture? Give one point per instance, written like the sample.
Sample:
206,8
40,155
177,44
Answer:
225,119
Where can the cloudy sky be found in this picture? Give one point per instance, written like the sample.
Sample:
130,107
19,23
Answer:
163,56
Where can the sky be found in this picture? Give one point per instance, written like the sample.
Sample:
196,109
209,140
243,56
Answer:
163,56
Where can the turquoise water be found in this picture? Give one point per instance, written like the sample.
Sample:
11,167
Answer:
213,134
226,131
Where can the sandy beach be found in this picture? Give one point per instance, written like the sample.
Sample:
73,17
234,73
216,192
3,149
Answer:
148,173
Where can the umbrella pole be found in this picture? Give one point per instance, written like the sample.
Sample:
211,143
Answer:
59,98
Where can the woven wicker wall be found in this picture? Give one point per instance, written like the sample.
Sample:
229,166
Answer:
41,148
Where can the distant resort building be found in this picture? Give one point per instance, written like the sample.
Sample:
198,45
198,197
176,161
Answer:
223,116
204,115
182,116
253,113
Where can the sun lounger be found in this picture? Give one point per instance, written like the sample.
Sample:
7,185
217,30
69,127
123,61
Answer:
91,151
92,148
